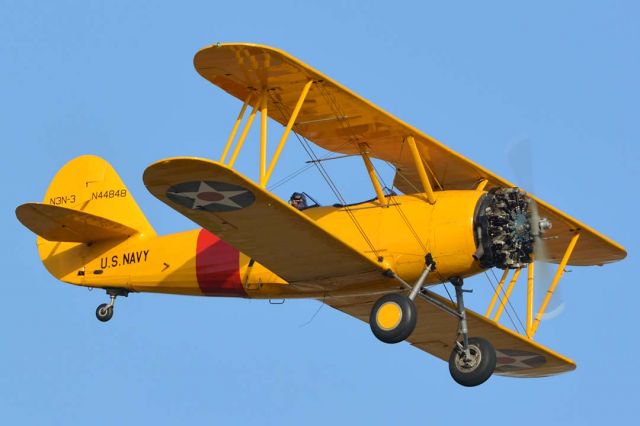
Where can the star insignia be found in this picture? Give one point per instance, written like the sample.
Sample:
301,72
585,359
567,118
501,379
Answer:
211,196
518,360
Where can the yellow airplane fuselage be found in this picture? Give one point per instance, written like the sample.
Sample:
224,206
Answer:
198,263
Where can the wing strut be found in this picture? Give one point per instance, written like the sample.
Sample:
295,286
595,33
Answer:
234,130
261,104
285,135
372,173
417,158
554,283
263,138
243,135
531,324
531,274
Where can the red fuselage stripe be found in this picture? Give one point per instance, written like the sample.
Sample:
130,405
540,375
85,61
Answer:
217,267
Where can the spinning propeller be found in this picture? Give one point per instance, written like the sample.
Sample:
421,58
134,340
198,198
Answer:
520,157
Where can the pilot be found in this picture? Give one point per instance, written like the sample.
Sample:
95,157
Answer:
298,201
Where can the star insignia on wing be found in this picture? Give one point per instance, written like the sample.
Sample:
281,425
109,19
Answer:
518,360
211,196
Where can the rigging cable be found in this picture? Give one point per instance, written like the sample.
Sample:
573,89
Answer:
300,171
500,299
401,212
316,312
316,161
342,119
508,302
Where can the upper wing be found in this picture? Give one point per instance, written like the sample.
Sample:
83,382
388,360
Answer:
337,119
257,223
436,333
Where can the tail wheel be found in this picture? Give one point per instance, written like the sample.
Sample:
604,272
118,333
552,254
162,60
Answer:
393,318
104,312
477,367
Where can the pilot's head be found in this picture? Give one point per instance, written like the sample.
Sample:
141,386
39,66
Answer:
297,200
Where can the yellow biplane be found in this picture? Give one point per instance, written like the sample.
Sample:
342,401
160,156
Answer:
373,260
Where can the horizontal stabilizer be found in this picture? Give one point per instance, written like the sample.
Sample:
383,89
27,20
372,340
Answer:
56,223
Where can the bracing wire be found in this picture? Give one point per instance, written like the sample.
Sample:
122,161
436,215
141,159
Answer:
299,171
323,172
303,141
340,115
508,302
500,300
401,212
315,314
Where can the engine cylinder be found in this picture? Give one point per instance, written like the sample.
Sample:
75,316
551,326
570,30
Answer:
503,230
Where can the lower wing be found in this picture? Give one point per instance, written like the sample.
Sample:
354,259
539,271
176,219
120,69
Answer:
436,333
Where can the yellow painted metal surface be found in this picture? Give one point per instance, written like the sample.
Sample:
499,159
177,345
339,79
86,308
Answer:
530,288
160,265
556,279
234,130
389,316
287,130
482,185
264,115
88,184
338,120
407,229
267,229
55,223
372,175
243,136
329,247
342,259
419,167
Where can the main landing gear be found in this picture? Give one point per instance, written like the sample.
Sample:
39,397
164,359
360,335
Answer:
394,316
104,311
473,360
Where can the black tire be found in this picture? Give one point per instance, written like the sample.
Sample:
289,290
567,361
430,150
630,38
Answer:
405,324
104,312
480,371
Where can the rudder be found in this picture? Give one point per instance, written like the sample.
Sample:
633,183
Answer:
90,184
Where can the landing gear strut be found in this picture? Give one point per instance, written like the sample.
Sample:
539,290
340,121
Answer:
104,311
473,360
394,316
393,319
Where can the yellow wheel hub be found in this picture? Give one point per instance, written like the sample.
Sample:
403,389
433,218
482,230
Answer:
389,315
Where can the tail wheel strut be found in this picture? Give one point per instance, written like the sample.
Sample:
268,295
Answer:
104,311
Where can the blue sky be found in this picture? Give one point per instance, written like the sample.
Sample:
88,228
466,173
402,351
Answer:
116,79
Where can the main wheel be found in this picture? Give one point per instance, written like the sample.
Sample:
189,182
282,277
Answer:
393,318
478,368
104,312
